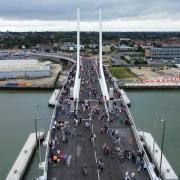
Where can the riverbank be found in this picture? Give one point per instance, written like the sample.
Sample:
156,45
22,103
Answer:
146,86
27,88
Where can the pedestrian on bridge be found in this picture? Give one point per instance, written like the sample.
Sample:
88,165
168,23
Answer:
133,157
100,165
133,176
93,138
75,114
83,107
127,177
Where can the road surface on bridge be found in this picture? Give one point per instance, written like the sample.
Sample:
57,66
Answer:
71,134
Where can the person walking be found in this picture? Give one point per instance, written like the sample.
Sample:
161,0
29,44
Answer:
133,157
133,176
100,165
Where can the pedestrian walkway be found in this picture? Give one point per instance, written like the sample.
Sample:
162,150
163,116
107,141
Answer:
93,143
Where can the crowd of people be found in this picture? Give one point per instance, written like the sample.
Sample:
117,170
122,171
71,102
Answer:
67,130
60,126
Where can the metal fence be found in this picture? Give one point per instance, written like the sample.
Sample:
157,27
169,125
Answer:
49,138
135,132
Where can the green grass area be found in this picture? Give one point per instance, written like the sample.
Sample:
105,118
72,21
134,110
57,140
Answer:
121,72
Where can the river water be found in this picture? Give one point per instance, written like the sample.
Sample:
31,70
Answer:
148,107
18,110
17,114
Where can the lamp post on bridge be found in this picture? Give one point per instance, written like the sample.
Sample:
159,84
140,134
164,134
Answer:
162,145
36,129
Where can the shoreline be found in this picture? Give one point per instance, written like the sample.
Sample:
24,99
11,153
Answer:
26,88
150,87
126,87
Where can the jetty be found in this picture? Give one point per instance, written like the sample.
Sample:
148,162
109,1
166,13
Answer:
153,149
22,161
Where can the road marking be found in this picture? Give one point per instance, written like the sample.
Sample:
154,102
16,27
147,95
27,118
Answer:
95,156
86,119
96,165
77,104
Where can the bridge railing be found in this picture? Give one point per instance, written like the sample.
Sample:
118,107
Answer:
49,138
135,132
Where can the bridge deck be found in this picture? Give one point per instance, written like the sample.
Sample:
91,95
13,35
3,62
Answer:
79,145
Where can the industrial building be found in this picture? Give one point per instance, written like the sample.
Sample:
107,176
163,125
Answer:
28,68
163,53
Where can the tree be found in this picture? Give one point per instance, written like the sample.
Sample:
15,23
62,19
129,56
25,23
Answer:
58,37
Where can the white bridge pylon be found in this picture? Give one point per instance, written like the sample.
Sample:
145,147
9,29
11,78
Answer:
77,81
102,80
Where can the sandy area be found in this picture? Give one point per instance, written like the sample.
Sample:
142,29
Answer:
150,73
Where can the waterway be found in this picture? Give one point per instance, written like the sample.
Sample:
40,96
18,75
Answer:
148,108
17,114
18,109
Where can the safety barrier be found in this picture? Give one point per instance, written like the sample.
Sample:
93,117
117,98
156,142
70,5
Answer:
135,132
44,177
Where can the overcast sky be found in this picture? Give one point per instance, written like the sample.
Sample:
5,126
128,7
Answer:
118,15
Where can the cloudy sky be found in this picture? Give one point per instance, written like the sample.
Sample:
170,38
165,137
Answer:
118,15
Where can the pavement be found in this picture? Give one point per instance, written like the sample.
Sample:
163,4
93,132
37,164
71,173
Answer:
80,147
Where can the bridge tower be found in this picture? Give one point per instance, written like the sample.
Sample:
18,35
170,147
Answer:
102,80
77,77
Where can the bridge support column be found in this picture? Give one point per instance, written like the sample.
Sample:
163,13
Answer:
71,99
77,81
102,80
111,98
